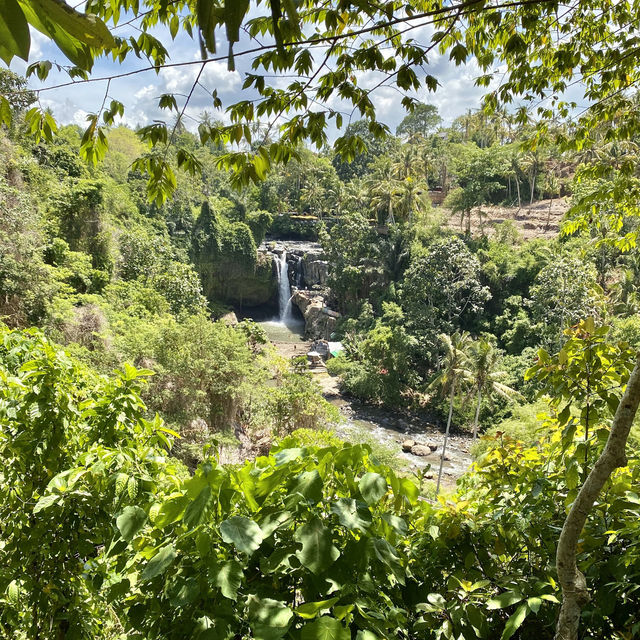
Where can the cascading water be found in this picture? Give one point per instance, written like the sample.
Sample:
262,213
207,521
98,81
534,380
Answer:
284,288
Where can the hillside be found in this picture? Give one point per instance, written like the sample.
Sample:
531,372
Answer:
540,220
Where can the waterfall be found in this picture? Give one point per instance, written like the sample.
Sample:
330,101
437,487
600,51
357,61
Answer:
284,288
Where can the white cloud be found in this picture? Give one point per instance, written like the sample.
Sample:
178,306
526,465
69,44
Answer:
145,93
80,118
214,76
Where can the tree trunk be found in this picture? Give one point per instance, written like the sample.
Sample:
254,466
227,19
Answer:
533,185
446,436
475,422
574,587
518,190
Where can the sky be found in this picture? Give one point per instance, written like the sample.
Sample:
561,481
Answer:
140,92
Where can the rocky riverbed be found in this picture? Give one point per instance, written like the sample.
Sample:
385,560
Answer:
412,443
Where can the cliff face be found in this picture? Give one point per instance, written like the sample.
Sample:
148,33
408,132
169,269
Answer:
230,267
247,287
319,320
315,270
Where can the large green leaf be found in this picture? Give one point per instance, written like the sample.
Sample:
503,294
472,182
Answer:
159,563
312,609
325,628
318,552
130,521
197,509
170,511
14,32
269,619
505,599
289,455
396,522
372,487
242,532
309,484
388,555
185,593
275,521
515,622
229,578
88,29
234,12
78,52
267,483
209,17
46,501
352,514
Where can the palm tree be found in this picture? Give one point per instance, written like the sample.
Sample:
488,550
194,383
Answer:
624,294
354,196
413,198
531,164
404,165
313,197
485,376
385,194
453,374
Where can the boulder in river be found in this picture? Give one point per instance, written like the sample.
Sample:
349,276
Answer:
408,445
420,450
230,318
424,449
319,320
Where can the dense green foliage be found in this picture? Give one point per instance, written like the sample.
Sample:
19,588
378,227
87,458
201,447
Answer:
104,534
309,541
149,531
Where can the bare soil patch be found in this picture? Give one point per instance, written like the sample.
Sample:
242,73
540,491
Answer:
542,219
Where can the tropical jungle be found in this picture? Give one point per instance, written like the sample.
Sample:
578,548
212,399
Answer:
276,369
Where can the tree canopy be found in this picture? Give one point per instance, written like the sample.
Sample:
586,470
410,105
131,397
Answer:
564,74
543,48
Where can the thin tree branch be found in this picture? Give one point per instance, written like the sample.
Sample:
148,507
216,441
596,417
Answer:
465,7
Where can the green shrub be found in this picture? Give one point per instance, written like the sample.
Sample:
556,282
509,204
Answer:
287,228
54,415
627,330
524,425
296,401
181,287
259,222
312,438
310,541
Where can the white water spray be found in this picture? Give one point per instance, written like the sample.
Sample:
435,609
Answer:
284,288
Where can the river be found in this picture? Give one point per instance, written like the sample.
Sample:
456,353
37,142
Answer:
385,430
